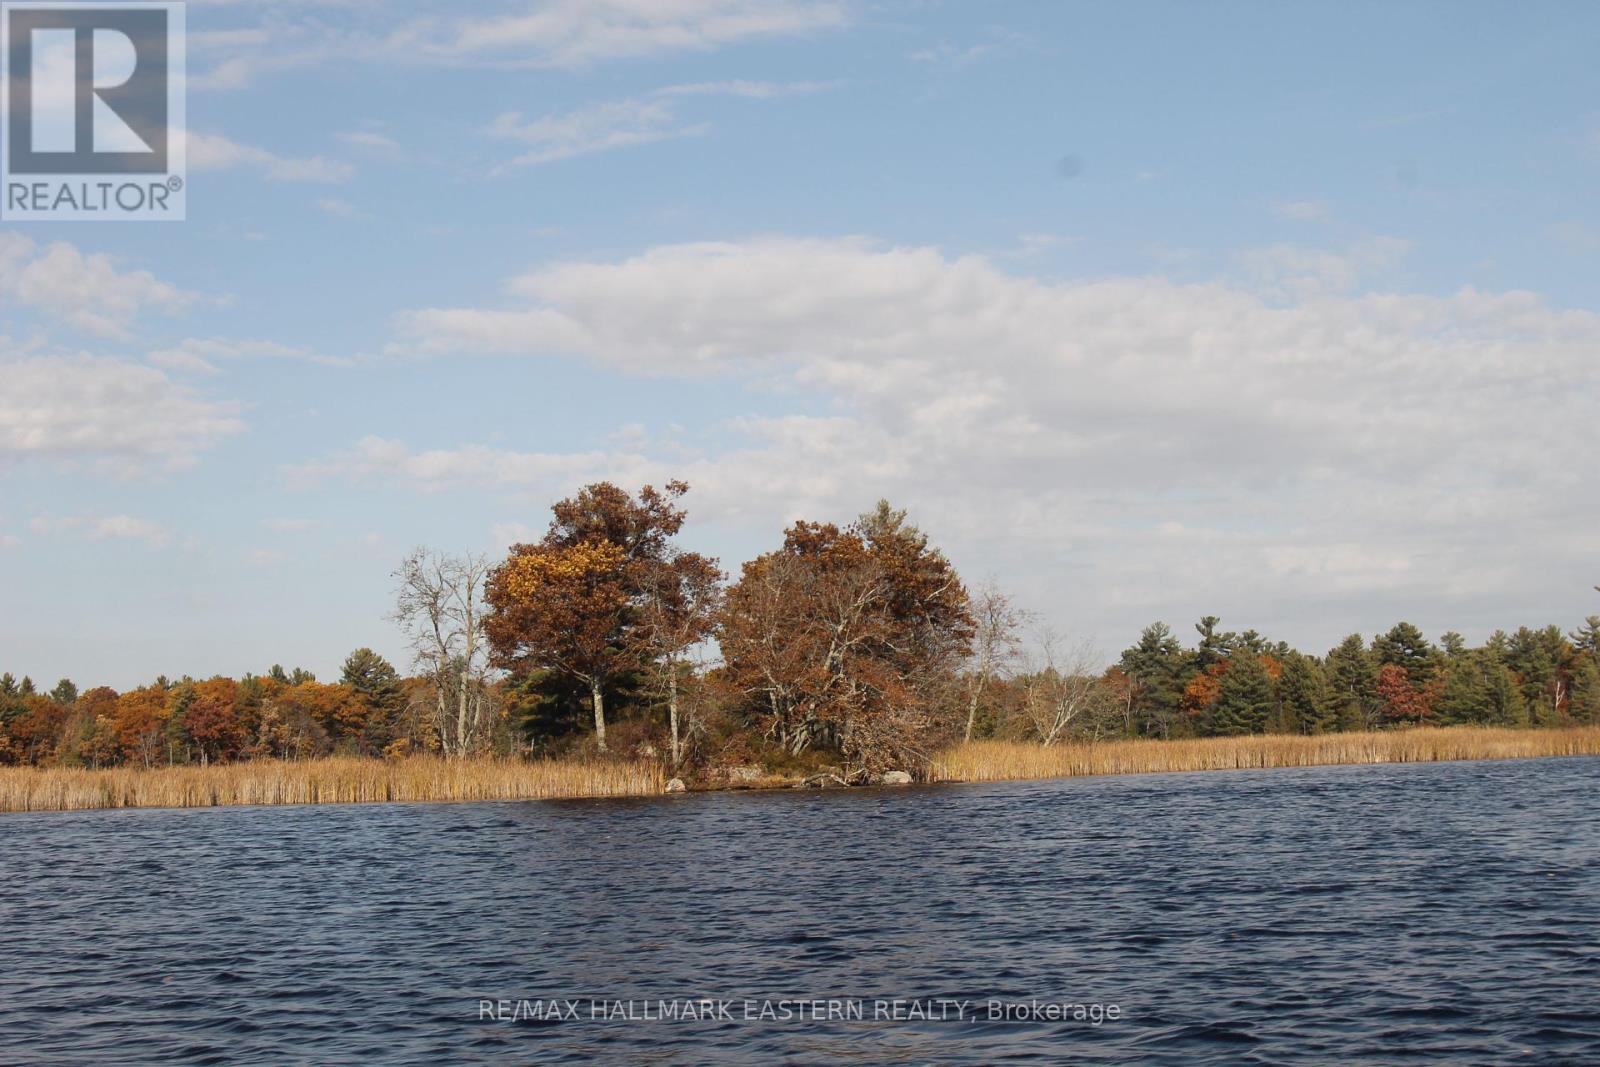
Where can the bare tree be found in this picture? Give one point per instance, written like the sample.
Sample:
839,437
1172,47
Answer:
996,644
439,605
1066,693
680,597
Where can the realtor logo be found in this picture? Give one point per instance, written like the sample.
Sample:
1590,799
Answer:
92,97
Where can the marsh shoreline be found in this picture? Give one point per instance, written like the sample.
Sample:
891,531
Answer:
430,779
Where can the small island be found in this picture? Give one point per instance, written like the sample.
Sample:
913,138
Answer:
607,659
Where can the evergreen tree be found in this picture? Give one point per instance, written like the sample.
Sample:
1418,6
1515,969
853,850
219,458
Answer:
1467,696
1405,646
1213,647
64,692
1585,705
378,684
1510,709
1246,698
1157,666
1308,702
12,706
1587,637
1536,657
1249,641
1351,677
370,675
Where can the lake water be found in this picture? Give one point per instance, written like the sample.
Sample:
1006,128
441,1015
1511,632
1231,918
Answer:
1445,913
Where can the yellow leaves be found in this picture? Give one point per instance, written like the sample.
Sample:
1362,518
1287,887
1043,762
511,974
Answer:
530,573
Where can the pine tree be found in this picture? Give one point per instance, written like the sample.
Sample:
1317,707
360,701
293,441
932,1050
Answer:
1246,699
1587,637
1585,705
1351,677
1542,660
1405,646
1157,666
378,684
1467,697
1510,709
1308,703
1212,646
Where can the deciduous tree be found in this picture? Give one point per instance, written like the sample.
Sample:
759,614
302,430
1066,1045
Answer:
849,639
440,605
996,644
564,608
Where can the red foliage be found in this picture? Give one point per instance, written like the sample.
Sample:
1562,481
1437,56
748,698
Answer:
1401,703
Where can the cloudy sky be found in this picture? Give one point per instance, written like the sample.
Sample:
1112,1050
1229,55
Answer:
1285,313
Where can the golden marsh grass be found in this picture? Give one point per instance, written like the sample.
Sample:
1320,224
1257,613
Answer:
426,778
993,761
326,781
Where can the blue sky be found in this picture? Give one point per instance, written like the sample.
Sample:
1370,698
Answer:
1279,312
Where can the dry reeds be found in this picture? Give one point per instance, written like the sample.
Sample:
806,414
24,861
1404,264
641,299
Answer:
427,778
325,781
991,761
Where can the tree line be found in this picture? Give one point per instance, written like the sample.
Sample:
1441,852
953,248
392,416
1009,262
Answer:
857,647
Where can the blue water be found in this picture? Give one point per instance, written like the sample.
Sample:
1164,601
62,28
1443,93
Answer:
1444,913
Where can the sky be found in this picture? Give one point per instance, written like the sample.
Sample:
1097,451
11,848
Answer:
1285,313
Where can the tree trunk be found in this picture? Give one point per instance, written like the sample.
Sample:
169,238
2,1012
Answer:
441,711
463,736
599,713
672,713
972,710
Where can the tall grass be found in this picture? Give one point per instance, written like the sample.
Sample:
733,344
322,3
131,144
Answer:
325,781
990,761
425,778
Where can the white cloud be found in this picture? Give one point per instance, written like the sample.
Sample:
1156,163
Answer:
370,141
107,528
341,209
1278,443
502,535
291,525
85,290
200,355
110,410
1000,42
752,90
381,459
532,33
624,123
567,33
1302,210
214,152
1297,272
597,128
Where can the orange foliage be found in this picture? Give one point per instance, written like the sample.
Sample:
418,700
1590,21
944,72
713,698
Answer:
1203,690
138,723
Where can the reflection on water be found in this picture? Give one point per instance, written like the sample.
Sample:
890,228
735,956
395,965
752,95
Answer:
1442,913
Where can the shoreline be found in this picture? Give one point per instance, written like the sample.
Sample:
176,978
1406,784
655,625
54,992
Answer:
425,779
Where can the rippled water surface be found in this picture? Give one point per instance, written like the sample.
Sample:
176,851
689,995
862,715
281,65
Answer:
1435,913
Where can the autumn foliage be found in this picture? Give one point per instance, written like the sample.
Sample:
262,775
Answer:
845,650
849,639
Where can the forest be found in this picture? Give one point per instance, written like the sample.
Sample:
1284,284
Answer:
855,646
